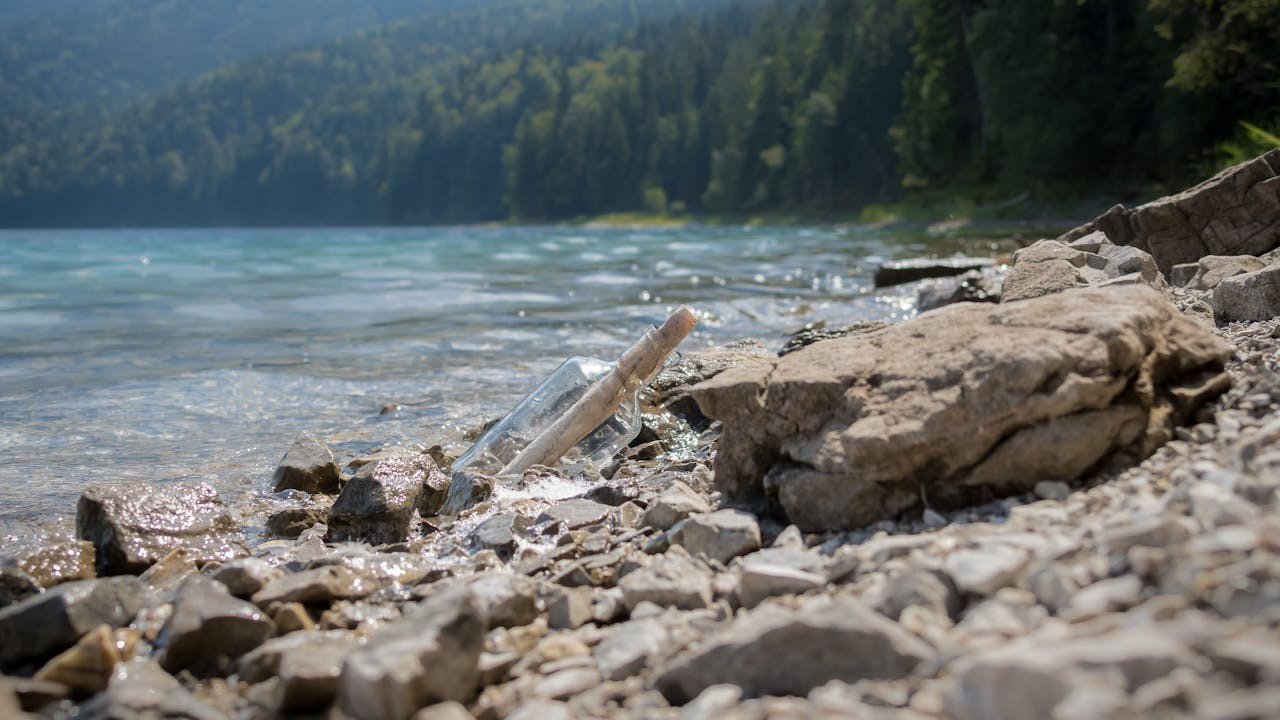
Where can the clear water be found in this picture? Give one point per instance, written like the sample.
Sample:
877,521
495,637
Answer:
177,354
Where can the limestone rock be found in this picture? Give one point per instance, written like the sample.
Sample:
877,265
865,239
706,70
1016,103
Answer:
307,663
431,655
208,626
308,466
140,689
630,647
57,618
672,581
132,525
1236,212
60,562
761,579
818,332
1049,267
982,572
721,535
777,651
1211,270
672,505
960,403
376,505
1250,296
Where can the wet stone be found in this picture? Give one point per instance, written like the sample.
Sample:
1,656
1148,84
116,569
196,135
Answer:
498,534
85,667
307,664
316,586
209,626
292,522
246,576
133,525
308,466
57,618
574,514
16,585
60,562
377,504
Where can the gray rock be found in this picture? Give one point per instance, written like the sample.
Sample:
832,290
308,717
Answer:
16,585
55,619
435,490
776,651
308,466
1250,296
132,525
721,535
692,368
377,503
982,572
208,627
672,505
60,562
819,332
1029,677
960,403
973,286
245,576
1211,270
1236,212
1050,266
292,522
569,608
905,271
316,586
632,646
430,656
574,514
504,599
671,581
1110,595
307,664
920,587
498,534
140,689
762,579
465,491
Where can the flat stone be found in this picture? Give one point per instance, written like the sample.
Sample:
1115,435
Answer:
1250,296
982,572
919,587
377,504
315,586
208,627
672,581
60,562
451,711
430,656
777,651
567,683
672,505
292,522
244,577
133,525
1211,270
308,466
905,271
762,579
498,534
574,514
140,689
630,647
959,404
721,535
57,618
307,664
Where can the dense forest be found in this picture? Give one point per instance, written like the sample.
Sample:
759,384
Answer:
136,112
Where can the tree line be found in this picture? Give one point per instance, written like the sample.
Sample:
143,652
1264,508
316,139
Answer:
556,109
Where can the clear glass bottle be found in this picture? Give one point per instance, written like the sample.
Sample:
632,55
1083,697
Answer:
584,412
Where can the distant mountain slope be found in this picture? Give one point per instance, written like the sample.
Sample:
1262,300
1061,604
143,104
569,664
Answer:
67,52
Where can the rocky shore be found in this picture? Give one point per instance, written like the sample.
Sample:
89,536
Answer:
1059,501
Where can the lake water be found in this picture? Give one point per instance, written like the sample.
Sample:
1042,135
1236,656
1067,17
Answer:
199,354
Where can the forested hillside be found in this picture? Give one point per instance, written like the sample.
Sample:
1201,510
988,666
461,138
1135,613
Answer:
551,109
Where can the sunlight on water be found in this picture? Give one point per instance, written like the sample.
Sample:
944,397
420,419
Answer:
156,355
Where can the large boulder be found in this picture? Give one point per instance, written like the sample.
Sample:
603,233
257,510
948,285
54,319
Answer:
133,525
1250,296
54,620
377,503
960,404
1236,212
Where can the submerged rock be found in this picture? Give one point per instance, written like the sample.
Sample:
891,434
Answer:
1236,212
905,271
133,525
377,503
56,619
308,466
777,651
966,401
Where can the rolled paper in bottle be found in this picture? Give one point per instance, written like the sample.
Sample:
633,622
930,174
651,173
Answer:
639,363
